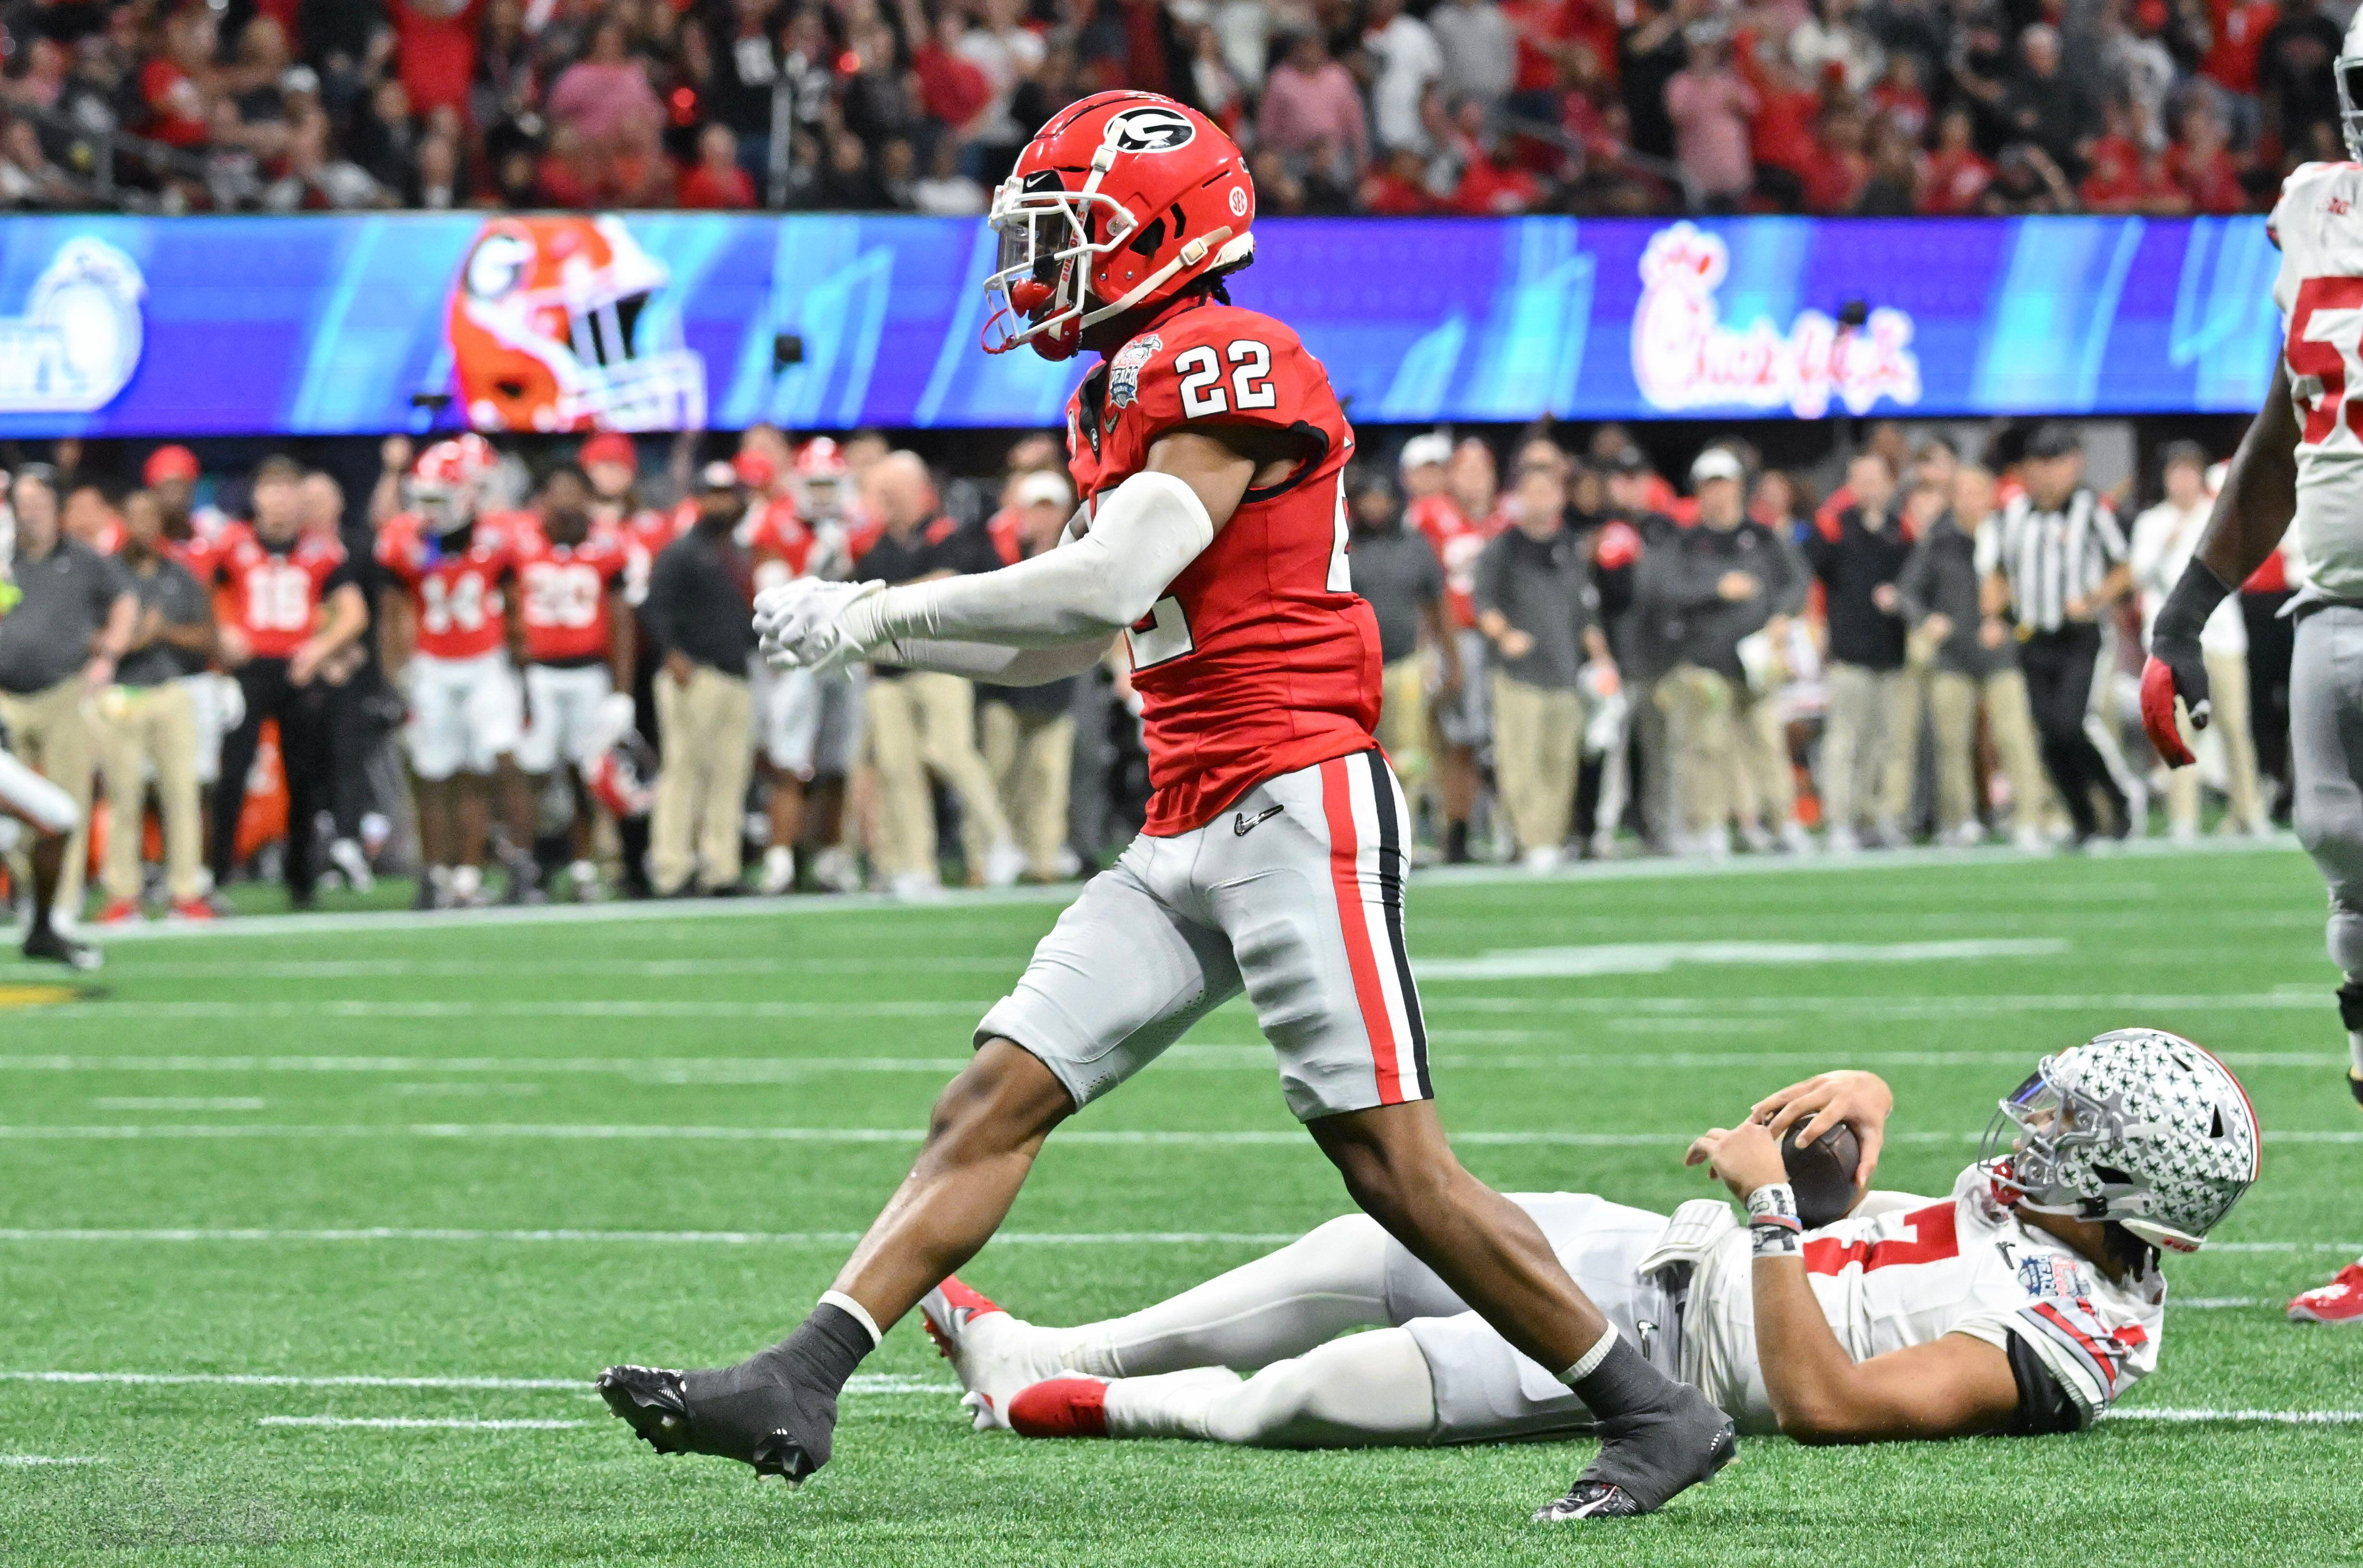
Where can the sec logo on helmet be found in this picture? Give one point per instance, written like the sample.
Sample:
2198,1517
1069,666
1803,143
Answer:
1152,129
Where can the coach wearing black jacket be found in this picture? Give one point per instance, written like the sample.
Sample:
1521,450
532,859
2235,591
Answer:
1857,557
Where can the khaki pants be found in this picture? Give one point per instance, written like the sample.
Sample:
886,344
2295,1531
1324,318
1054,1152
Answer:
1727,751
1032,755
1866,713
1402,720
1537,737
157,726
2227,683
1953,710
697,823
921,723
53,732
1913,701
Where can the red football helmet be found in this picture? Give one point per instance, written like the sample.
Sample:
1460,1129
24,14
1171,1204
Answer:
1121,201
446,484
820,475
560,323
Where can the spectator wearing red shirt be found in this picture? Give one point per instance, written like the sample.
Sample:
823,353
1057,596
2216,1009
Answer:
2203,165
2237,29
953,89
435,46
1710,106
174,85
1841,168
2124,176
715,183
1957,174
1899,97
1781,137
1398,188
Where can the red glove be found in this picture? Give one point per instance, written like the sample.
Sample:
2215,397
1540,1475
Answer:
2161,686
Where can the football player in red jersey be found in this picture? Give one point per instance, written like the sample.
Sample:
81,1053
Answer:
578,647
294,605
1212,452
445,642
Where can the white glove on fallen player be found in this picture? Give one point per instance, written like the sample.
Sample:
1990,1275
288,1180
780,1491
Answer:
826,627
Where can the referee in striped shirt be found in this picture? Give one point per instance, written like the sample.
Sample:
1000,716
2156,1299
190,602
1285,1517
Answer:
2054,560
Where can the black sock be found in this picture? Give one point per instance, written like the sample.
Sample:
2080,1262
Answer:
1624,1384
825,1347
1456,843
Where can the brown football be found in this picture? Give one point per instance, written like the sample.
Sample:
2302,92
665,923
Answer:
1822,1174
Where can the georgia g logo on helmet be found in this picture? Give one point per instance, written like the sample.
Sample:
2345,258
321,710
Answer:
1150,129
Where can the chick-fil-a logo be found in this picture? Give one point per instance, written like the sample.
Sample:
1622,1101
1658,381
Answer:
1685,357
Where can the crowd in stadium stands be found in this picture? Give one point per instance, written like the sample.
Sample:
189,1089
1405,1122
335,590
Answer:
1877,106
539,681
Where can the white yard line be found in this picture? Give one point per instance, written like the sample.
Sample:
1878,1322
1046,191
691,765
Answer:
599,1132
27,1459
2214,1303
414,1423
233,1234
2285,1418
880,1383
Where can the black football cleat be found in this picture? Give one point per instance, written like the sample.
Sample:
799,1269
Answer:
1646,1458
755,1413
49,943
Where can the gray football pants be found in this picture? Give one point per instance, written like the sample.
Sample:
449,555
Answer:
2326,754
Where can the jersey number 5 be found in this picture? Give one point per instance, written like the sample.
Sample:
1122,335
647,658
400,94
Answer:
2325,354
1251,387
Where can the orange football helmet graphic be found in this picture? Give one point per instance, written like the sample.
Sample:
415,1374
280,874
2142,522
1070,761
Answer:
552,330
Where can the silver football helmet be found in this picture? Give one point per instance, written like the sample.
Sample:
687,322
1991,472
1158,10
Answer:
2346,71
2139,1126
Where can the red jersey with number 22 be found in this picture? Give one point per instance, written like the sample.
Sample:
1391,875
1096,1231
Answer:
457,592
1260,658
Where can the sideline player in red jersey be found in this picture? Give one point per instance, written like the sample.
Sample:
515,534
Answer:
445,636
294,605
578,650
1213,455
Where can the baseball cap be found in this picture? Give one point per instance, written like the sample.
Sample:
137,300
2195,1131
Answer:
2054,439
609,446
718,476
1420,451
754,470
1629,460
169,463
1716,462
1044,488
2190,452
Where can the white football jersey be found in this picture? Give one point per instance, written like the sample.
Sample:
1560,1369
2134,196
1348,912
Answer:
1908,1275
2318,224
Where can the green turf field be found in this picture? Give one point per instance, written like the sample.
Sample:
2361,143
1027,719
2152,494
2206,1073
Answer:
307,1154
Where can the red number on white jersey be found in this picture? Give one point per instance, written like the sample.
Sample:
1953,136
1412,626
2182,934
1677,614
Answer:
2325,354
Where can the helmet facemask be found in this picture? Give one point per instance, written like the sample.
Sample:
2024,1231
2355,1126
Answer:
2346,74
1042,277
2137,1129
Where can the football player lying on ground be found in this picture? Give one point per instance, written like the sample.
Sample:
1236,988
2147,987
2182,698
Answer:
2025,1302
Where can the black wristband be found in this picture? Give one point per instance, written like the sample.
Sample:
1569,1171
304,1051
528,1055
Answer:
2187,608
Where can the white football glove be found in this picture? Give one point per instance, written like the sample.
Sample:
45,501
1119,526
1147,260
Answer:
821,630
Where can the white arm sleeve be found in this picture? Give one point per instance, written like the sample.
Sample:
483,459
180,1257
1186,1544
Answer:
1141,537
995,663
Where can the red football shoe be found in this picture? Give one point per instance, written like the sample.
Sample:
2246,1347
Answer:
119,912
1062,1408
193,909
2340,1301
947,1310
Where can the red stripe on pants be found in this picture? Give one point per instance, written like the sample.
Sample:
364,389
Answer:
1345,847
